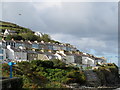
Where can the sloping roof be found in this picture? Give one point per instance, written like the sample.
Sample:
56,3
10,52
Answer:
61,54
8,40
30,51
39,52
100,58
11,31
18,50
18,41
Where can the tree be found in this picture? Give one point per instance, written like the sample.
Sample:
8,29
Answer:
9,37
58,63
46,38
29,36
15,37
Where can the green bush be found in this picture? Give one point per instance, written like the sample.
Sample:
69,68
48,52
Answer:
54,85
105,73
15,37
38,73
5,70
58,64
76,77
47,64
29,36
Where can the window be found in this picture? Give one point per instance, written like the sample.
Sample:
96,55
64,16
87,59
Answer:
1,51
35,46
1,57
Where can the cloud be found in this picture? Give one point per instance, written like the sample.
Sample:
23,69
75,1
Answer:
83,24
47,4
87,44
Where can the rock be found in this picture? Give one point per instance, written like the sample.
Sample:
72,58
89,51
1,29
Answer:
92,79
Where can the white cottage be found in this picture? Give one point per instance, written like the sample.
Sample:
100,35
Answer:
38,34
60,55
70,59
9,32
16,54
88,61
100,60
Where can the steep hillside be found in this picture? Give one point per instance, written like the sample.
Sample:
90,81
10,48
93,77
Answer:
45,74
14,27
22,33
108,74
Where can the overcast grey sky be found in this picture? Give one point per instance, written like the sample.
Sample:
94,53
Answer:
91,26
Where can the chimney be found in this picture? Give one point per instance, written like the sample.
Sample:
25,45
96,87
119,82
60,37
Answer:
42,41
21,47
50,51
70,52
3,39
57,51
33,49
77,52
42,50
62,52
21,40
36,41
29,42
12,39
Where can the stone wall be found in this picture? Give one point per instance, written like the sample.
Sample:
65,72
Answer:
14,82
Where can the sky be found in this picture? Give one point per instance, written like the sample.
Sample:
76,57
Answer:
90,26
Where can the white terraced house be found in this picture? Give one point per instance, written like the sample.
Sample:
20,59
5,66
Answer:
9,32
16,54
2,54
88,61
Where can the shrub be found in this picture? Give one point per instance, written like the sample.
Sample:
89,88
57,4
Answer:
58,64
48,64
76,77
39,73
15,37
5,69
54,85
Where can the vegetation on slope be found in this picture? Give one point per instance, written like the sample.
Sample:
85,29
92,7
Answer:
14,27
108,74
45,74
23,33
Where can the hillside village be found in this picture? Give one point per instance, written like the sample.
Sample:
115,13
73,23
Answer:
27,49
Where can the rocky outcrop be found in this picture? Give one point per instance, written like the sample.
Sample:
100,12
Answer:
108,75
14,82
103,76
92,79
